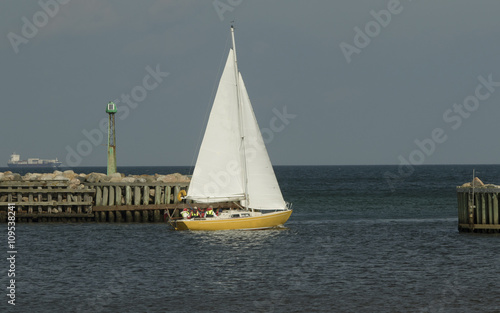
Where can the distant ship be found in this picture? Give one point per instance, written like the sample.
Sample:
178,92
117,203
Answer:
15,161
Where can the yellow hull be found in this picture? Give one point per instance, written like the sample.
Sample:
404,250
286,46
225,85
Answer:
267,220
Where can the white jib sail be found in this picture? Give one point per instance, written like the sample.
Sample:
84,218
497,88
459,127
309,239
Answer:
264,192
218,172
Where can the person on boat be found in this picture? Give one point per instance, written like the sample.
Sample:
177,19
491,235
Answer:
195,213
185,214
209,212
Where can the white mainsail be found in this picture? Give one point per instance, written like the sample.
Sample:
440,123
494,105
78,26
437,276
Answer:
233,163
217,174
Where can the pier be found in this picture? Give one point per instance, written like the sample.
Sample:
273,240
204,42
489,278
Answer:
70,197
478,207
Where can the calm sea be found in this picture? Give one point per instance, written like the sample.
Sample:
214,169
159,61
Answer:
353,244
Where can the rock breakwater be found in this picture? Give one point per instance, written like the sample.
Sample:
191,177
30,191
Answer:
77,181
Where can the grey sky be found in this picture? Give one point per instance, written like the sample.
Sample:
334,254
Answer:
366,111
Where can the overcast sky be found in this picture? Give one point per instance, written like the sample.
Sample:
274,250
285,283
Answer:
332,82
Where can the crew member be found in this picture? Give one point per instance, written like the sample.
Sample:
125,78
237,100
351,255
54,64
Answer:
209,212
185,214
195,213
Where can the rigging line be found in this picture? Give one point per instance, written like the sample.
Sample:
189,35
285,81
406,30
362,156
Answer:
240,116
211,101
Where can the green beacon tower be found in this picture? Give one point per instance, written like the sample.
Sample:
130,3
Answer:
111,110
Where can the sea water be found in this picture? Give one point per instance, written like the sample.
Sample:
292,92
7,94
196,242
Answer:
354,243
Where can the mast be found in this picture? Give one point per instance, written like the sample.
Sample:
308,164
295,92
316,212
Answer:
242,134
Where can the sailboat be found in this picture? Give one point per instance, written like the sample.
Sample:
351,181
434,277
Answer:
233,165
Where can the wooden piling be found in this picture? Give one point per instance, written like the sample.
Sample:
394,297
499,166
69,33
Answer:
137,195
111,200
49,199
128,195
168,194
98,196
145,197
118,216
158,194
137,216
30,199
495,209
118,199
157,216
128,217
105,190
177,189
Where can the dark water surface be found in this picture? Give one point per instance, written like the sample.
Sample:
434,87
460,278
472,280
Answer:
353,244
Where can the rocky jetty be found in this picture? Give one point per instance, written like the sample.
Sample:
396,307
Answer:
477,183
76,181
